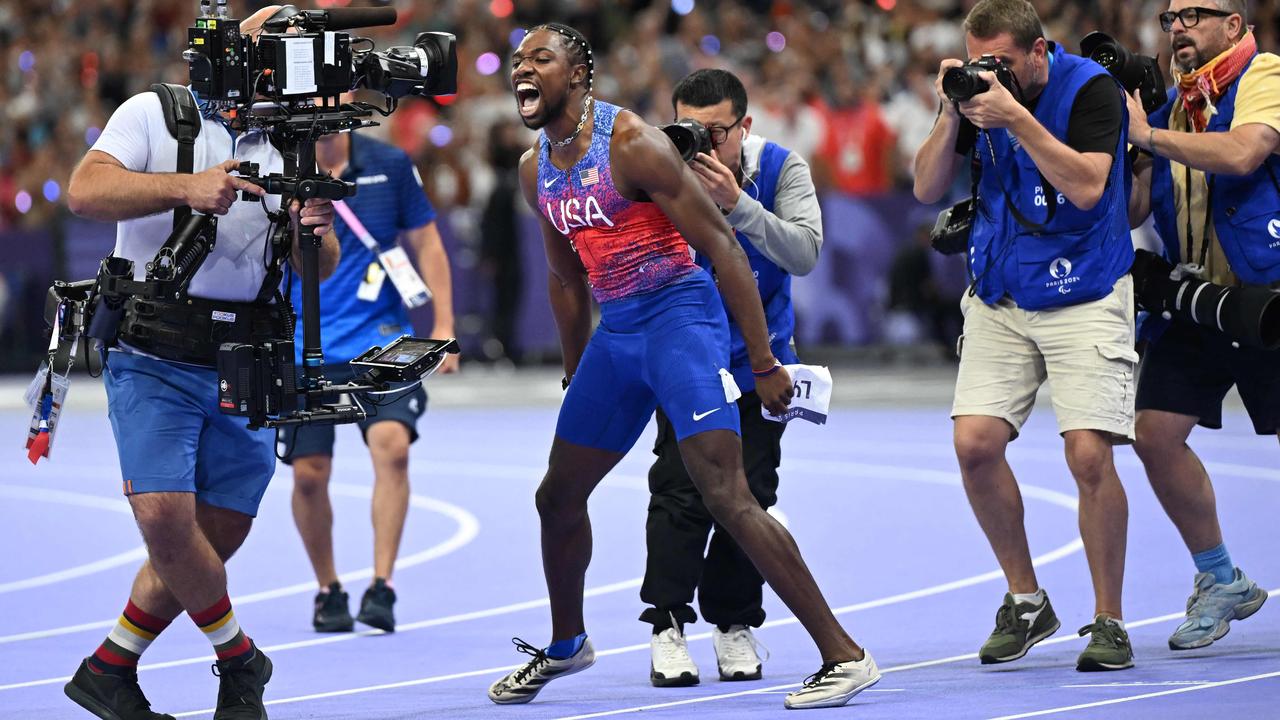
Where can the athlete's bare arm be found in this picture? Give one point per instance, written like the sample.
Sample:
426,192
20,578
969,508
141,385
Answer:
567,280
644,160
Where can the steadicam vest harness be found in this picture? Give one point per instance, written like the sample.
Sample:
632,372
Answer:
159,316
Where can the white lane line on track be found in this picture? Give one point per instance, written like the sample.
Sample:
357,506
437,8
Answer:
468,527
896,668
63,497
853,469
1143,696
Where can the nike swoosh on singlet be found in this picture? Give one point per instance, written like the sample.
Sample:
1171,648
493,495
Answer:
549,183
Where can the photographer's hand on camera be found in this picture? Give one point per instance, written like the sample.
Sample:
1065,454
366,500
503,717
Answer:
1139,129
995,108
316,217
937,162
949,111
214,191
717,179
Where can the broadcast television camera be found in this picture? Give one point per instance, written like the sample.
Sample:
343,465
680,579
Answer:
302,54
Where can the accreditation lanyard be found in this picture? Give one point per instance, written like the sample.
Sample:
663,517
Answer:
394,261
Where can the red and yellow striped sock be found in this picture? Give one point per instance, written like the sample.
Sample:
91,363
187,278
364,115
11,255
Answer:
218,623
134,631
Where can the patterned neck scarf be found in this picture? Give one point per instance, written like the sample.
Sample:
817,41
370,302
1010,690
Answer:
1199,90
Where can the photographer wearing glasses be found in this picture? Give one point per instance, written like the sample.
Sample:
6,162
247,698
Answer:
1212,183
1049,252
768,196
193,476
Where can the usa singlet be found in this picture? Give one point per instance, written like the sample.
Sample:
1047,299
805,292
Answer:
627,247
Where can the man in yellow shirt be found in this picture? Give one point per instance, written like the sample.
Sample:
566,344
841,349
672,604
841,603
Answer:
1212,184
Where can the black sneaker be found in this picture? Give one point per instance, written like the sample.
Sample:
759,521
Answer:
375,606
332,614
109,696
240,685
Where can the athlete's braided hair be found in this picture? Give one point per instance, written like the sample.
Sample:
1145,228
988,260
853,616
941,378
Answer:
579,48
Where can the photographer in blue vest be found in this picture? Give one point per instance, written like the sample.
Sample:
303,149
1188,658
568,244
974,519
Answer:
1213,184
767,194
1050,299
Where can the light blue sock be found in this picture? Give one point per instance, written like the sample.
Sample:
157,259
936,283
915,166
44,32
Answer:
562,649
1216,560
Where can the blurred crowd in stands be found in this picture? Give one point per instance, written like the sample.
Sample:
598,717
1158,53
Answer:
847,84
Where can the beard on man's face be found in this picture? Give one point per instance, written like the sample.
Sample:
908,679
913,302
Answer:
1190,55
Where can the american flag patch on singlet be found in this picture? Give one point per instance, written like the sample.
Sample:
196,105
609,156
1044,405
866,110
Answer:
590,176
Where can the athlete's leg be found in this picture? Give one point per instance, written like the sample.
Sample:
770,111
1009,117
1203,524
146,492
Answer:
573,472
714,459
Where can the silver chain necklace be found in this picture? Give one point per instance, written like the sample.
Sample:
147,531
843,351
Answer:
586,107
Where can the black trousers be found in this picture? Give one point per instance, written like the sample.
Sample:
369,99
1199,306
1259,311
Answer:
680,559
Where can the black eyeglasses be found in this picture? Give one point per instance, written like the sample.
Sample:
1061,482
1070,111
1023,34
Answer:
720,134
1189,17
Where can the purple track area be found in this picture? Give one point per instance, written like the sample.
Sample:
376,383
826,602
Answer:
873,499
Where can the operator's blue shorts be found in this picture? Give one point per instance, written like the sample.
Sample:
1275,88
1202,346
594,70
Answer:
171,437
303,440
661,348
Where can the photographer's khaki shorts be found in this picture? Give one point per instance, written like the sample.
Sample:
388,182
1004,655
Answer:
1085,351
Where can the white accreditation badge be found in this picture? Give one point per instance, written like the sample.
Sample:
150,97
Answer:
393,263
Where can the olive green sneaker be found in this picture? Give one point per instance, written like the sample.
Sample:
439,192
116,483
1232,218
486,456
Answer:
1018,627
1108,648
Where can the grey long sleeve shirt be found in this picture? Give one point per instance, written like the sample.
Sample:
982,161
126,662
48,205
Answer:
791,235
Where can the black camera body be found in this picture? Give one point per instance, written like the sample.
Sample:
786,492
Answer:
963,83
310,58
951,231
1135,72
690,137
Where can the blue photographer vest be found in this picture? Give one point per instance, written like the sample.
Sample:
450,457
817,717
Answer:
1246,208
773,282
1079,255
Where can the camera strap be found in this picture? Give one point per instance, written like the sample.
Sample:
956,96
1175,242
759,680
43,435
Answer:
1050,193
182,118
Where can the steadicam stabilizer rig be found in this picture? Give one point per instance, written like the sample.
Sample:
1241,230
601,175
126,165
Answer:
287,82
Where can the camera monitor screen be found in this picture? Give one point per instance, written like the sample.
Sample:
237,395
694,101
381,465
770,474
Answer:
405,352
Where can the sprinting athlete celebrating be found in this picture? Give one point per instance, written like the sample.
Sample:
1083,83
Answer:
630,209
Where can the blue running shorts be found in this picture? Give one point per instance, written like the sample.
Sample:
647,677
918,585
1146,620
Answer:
171,437
663,348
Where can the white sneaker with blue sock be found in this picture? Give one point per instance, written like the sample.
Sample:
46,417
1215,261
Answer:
1211,608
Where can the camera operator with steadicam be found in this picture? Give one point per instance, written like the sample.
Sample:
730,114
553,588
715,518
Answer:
1212,182
180,296
1049,253
193,476
209,295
